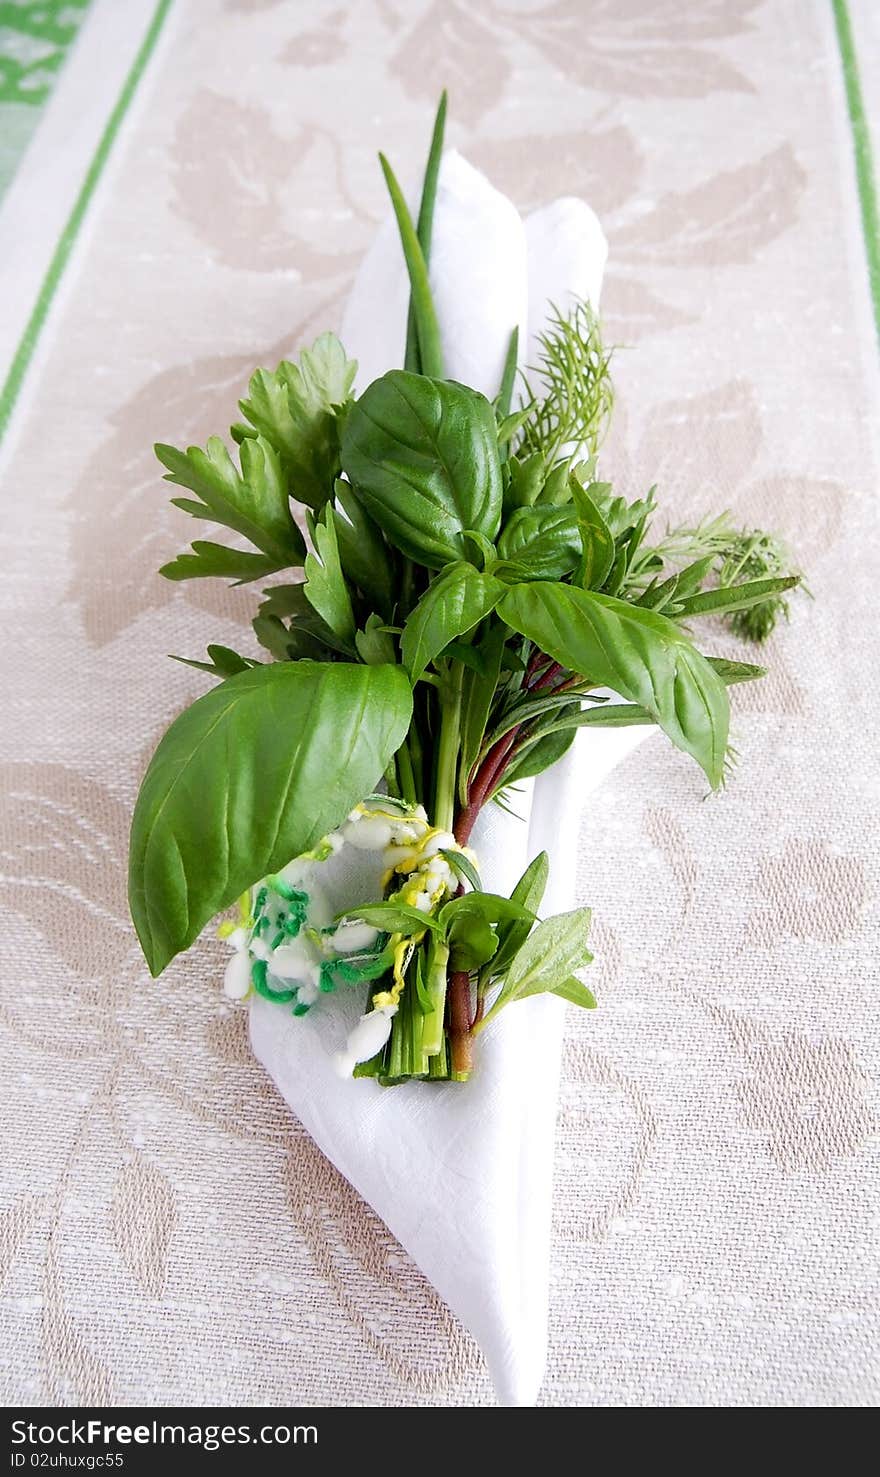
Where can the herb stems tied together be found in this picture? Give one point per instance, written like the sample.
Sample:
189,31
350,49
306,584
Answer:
461,593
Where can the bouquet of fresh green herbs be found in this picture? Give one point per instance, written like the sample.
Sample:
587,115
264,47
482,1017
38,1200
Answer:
461,594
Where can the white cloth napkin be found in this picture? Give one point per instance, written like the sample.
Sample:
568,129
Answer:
462,1173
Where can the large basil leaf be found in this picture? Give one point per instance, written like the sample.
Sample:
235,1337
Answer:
452,604
423,455
255,772
541,543
640,654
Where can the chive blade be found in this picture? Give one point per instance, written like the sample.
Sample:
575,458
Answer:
425,228
423,306
508,378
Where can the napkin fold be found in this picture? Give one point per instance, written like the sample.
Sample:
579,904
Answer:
462,1174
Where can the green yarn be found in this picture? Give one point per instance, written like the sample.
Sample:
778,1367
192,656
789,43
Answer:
259,972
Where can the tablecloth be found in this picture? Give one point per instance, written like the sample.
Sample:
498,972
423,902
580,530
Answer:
168,1234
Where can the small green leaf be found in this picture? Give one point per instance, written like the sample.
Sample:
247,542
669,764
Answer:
577,993
552,952
734,597
532,885
526,480
217,560
254,773
285,600
732,672
469,656
472,942
464,867
222,662
456,601
423,456
486,905
275,637
689,579
325,587
541,542
528,893
295,409
374,645
394,917
510,424
596,539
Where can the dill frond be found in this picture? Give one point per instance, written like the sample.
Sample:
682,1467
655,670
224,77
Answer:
752,555
571,391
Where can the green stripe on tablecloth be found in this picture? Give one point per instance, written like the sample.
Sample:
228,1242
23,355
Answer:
862,151
34,43
67,240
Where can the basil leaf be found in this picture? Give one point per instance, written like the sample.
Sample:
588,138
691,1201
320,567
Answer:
325,587
556,488
423,455
254,773
597,541
641,655
295,409
394,917
455,602
541,543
